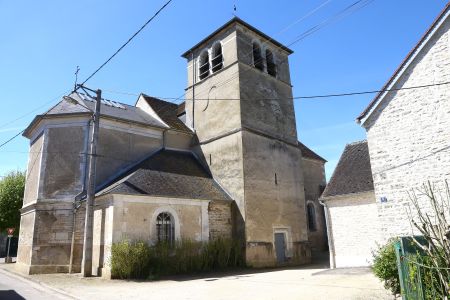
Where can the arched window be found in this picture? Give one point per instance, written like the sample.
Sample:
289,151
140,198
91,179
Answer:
271,67
217,58
257,57
311,213
204,65
165,228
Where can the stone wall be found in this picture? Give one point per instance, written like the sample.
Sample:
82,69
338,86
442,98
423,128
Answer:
274,197
314,181
353,220
409,134
220,220
55,175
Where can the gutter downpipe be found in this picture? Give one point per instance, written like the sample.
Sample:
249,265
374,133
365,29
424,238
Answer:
78,198
329,234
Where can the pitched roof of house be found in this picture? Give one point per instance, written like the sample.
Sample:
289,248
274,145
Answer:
308,153
108,108
168,112
409,57
167,173
237,20
353,173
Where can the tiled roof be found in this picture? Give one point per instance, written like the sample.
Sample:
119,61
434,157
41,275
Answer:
308,153
353,173
168,112
167,173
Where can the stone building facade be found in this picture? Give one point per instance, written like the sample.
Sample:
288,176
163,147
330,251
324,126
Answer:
408,131
351,209
225,163
408,134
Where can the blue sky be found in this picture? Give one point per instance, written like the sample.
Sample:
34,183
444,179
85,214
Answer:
43,42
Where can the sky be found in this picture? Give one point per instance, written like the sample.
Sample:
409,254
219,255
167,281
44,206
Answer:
44,41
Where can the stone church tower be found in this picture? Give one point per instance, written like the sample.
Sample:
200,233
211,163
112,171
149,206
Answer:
239,103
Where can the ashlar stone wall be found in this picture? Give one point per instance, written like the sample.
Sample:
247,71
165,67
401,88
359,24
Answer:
409,135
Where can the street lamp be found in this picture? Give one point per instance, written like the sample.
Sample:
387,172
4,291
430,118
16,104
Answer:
86,265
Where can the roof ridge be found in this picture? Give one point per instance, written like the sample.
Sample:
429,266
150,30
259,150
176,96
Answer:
357,142
392,79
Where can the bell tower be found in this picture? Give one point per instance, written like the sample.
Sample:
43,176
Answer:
239,102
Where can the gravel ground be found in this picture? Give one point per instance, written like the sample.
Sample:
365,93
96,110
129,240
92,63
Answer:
310,282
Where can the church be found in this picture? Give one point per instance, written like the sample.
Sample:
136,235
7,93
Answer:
226,162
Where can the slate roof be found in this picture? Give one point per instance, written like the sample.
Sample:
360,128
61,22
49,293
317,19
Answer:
405,61
168,112
167,173
308,153
112,109
353,173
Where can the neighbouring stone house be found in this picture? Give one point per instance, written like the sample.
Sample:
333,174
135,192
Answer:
408,138
206,168
350,205
408,131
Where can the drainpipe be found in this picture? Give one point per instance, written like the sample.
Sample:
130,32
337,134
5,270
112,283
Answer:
329,235
77,202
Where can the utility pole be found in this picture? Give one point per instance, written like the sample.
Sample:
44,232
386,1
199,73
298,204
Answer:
86,265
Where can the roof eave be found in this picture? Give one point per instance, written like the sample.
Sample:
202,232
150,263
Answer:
410,57
242,22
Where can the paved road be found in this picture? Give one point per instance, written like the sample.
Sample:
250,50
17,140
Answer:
14,288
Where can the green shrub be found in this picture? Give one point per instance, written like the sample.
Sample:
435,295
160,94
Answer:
137,260
130,260
385,267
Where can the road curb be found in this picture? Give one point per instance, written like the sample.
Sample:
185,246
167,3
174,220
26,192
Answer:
36,283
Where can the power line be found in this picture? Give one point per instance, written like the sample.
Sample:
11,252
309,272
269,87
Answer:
312,96
32,111
6,142
95,72
127,42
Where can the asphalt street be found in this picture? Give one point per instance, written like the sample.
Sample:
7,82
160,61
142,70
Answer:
14,288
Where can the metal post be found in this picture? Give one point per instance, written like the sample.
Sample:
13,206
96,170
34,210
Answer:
8,259
86,266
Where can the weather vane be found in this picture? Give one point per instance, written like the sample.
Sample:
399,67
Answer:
234,10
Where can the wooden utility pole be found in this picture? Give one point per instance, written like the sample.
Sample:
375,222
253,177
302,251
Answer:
86,265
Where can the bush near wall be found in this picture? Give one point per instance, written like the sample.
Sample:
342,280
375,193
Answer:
385,266
138,260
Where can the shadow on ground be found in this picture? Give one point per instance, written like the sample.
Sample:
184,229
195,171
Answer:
319,260
10,295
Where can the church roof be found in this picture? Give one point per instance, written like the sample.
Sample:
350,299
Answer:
308,153
108,109
353,173
168,112
237,20
167,173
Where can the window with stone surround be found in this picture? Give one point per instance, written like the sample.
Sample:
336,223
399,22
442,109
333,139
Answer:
311,214
217,57
165,228
270,62
203,65
257,57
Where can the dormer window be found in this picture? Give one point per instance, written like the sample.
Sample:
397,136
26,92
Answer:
257,57
204,65
217,58
271,67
